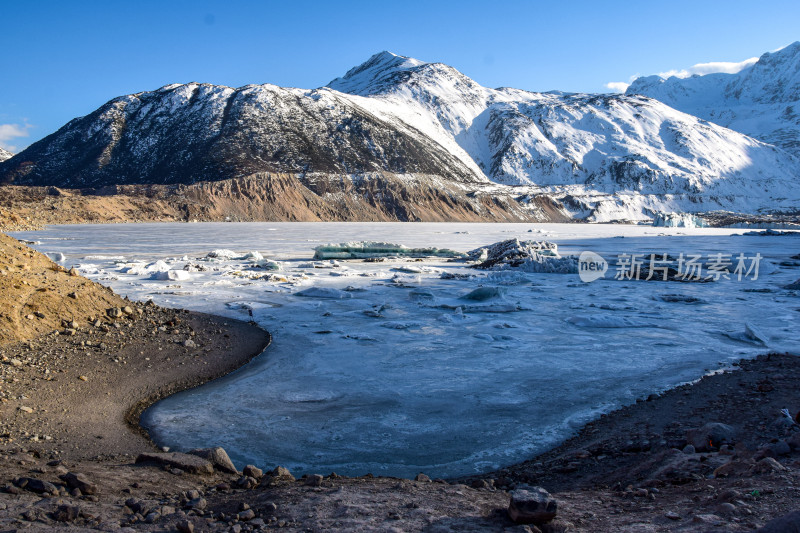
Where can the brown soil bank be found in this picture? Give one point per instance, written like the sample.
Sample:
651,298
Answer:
273,197
38,296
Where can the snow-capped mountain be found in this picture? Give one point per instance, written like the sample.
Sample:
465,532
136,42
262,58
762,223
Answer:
590,145
198,132
604,156
762,100
5,154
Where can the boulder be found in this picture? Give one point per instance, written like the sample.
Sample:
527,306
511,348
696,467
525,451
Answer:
246,515
217,457
532,505
314,480
711,436
185,526
282,472
788,523
767,465
66,513
36,485
253,472
182,461
80,482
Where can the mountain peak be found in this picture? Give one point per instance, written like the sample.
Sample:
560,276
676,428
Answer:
5,154
374,73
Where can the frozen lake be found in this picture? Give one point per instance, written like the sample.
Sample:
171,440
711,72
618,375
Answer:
393,372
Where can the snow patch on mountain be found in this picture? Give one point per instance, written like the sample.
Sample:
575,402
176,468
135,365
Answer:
5,154
761,100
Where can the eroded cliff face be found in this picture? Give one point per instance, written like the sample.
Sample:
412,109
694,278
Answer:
278,197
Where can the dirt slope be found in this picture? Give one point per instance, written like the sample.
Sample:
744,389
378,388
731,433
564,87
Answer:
37,295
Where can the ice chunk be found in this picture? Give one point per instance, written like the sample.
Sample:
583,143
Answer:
680,298
222,253
415,269
752,333
484,293
771,233
253,256
56,256
171,275
370,249
678,220
324,292
608,321
400,325
526,256
268,264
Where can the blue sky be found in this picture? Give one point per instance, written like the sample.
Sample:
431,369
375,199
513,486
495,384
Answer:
61,60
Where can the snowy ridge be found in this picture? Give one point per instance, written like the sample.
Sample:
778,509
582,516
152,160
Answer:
5,154
606,157
760,101
647,155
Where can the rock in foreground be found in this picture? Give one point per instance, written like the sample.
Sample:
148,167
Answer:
532,505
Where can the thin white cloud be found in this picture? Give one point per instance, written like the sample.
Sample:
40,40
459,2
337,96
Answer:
701,69
9,132
617,86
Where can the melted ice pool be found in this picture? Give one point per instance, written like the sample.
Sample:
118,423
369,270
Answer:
385,367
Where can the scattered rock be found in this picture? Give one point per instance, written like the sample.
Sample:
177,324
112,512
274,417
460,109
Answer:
532,505
314,480
672,515
197,504
422,477
36,485
689,449
788,523
66,513
253,472
710,436
244,516
183,461
781,448
217,457
726,508
767,465
80,482
282,473
185,526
